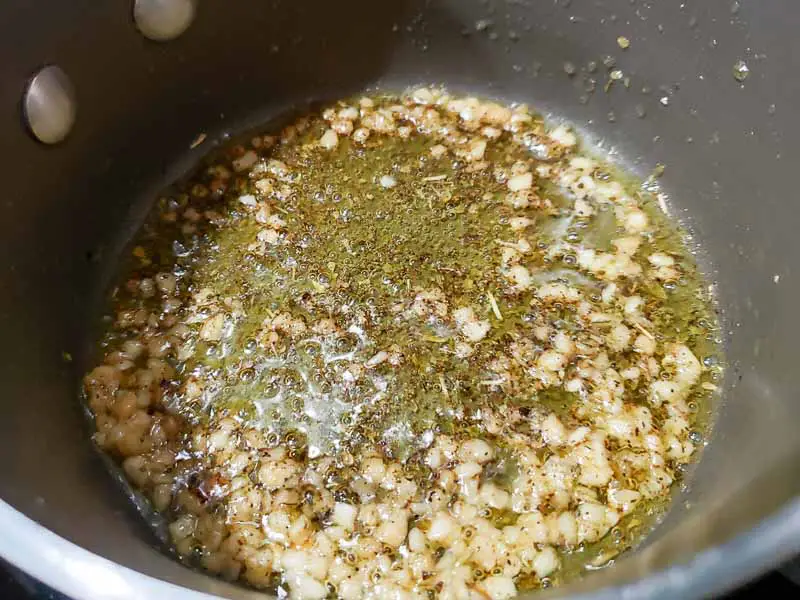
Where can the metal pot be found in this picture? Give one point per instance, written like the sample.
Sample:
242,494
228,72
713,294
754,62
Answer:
729,144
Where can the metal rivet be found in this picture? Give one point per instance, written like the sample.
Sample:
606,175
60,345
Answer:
49,105
163,20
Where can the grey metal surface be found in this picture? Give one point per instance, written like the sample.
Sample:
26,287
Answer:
163,20
730,149
50,105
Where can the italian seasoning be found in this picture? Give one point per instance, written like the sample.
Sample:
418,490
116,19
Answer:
408,347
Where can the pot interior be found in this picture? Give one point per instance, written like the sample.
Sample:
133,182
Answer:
728,146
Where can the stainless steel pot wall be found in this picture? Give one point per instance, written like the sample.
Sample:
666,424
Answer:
731,153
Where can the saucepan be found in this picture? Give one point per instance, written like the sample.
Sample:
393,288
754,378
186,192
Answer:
100,103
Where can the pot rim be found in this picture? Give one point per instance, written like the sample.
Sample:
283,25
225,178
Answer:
73,570
83,575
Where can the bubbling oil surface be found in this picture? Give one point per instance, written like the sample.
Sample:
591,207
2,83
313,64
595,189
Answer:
457,273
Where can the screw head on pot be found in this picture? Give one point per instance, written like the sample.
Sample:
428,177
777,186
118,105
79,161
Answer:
49,105
163,20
